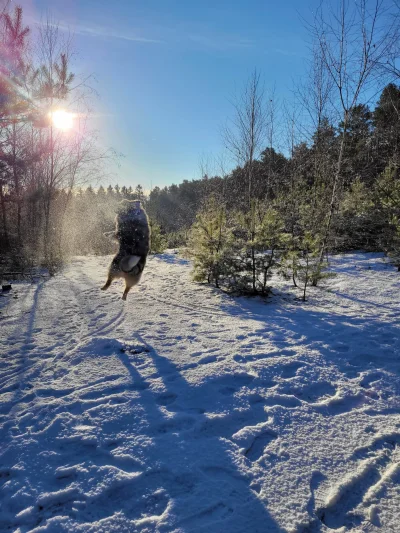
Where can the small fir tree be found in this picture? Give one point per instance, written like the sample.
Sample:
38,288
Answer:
210,244
388,199
158,240
261,241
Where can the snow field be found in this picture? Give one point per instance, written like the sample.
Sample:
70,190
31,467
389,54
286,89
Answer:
186,410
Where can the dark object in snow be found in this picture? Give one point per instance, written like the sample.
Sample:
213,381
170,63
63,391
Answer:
134,350
6,288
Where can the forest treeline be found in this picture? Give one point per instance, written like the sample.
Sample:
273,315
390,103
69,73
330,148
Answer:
289,184
313,176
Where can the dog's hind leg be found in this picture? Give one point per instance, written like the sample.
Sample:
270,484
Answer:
127,289
107,284
129,283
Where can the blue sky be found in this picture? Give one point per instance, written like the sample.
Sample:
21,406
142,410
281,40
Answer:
166,71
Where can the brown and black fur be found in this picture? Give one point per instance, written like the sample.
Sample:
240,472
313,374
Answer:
133,235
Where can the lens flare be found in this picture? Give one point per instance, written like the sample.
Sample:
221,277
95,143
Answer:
62,120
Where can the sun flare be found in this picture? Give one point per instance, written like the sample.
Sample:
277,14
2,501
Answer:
62,120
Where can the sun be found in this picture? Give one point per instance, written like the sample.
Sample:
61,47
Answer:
62,120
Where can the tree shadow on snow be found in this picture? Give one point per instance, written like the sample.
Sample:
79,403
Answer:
353,343
191,460
171,258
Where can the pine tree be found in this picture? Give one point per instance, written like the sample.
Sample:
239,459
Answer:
387,191
158,240
261,240
303,263
139,193
210,244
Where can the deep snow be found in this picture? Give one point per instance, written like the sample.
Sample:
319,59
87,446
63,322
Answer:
186,410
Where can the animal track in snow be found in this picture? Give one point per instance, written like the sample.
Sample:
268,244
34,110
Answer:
388,442
232,383
4,475
315,391
282,400
290,370
113,390
349,503
207,359
227,391
254,357
140,500
370,378
166,398
176,424
341,348
56,503
222,474
337,404
286,352
190,410
257,447
212,514
256,398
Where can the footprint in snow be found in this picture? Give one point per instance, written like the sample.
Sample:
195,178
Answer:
341,348
233,383
337,405
255,399
252,357
257,447
141,499
181,423
368,379
166,399
315,392
349,504
290,370
287,352
288,401
222,474
208,359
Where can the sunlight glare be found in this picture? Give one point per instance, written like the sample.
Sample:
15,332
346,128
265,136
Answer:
62,120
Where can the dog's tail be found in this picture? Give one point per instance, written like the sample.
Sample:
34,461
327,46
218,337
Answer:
129,262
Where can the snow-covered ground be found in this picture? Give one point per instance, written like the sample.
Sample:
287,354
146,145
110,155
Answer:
185,410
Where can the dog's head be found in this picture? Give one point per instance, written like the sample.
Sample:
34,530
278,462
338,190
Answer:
130,209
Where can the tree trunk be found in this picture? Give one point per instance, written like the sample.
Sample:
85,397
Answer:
306,280
333,197
16,182
4,215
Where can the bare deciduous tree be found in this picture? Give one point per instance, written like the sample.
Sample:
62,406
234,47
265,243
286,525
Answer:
244,136
390,64
353,40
